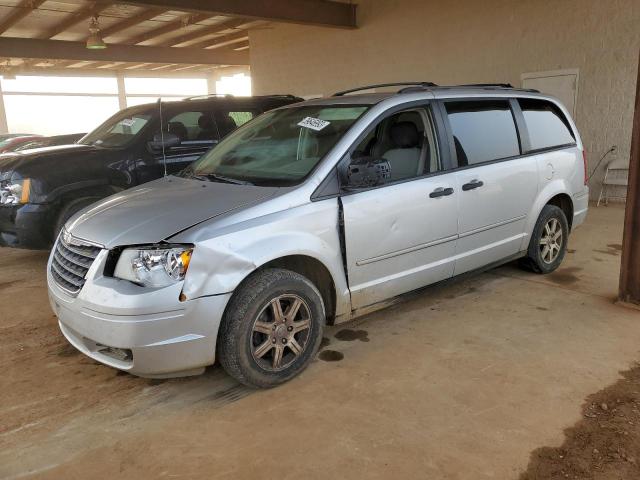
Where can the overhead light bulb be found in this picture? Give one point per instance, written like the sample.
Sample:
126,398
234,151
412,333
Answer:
94,40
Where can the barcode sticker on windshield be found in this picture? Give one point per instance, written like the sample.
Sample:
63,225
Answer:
313,123
128,122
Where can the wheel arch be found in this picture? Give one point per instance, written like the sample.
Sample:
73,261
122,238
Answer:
564,202
315,271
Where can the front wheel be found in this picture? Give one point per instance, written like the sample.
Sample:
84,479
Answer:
548,243
271,329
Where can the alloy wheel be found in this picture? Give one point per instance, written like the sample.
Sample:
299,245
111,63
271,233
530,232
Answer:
280,332
551,241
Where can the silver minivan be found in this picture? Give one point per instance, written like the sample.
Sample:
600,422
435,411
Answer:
313,214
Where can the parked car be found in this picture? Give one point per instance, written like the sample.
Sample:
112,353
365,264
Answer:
7,136
51,141
14,142
40,189
316,213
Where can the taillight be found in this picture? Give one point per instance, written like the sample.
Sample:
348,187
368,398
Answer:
586,173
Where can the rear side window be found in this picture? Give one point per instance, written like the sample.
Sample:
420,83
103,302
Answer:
547,125
483,131
229,120
197,126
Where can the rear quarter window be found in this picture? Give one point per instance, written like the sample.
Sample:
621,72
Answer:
546,124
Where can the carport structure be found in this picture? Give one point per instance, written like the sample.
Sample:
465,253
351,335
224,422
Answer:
144,38
463,381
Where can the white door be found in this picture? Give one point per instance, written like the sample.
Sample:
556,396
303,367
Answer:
401,235
495,185
562,84
398,238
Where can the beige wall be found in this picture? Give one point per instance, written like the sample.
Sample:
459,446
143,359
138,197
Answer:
469,41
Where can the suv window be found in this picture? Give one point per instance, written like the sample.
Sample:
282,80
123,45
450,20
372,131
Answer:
119,130
194,126
229,120
546,124
406,140
483,130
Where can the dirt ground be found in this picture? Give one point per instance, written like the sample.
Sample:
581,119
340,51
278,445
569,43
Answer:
604,445
464,381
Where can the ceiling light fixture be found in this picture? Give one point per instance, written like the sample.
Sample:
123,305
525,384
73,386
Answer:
94,40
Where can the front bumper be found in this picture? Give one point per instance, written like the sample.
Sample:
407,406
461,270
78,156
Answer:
146,332
27,226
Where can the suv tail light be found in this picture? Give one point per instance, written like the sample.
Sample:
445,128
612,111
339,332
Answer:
586,173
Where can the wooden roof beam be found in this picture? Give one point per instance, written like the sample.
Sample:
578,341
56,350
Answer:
168,27
308,12
24,8
223,41
204,32
88,11
57,49
140,17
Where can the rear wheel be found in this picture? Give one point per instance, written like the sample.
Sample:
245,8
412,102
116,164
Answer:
548,243
271,329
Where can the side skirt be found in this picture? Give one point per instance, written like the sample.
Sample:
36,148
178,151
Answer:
414,293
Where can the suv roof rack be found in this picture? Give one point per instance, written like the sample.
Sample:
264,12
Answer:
420,85
228,95
204,97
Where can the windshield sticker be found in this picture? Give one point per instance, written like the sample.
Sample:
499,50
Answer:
313,123
128,122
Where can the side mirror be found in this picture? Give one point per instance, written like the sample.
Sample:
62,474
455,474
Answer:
365,172
165,140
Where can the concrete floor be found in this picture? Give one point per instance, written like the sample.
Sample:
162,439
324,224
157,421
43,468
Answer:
462,382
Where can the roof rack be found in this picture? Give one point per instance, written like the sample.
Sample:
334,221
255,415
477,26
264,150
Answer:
417,85
227,95
204,97
499,85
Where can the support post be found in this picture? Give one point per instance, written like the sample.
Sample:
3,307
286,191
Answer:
212,78
4,126
629,291
122,93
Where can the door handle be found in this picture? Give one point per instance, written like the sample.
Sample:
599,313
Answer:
441,192
472,184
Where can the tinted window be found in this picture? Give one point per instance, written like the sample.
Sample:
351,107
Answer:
193,126
482,131
546,124
229,120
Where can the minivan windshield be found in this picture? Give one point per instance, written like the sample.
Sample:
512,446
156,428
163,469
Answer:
278,148
119,130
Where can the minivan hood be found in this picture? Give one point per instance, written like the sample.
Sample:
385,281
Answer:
157,210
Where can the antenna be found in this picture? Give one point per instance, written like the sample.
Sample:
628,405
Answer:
164,157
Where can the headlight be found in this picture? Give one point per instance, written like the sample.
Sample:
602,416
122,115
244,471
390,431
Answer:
155,266
15,192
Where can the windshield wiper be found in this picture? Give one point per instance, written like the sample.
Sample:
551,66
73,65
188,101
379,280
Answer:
221,178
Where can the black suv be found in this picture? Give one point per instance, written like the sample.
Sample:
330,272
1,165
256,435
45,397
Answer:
41,189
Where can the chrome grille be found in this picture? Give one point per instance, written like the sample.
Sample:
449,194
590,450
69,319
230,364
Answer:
71,261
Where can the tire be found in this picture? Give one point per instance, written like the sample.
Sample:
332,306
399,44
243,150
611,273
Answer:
253,346
68,211
539,259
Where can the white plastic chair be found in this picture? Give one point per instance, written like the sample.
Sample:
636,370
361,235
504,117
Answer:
614,184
